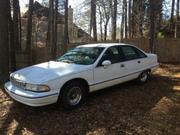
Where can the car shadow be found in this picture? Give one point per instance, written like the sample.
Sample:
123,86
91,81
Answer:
113,110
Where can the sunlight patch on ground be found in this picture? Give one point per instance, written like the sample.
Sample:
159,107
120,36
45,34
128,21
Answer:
12,127
99,131
177,75
163,72
25,131
163,106
163,112
176,88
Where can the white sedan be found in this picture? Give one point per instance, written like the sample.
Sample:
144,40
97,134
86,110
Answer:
84,69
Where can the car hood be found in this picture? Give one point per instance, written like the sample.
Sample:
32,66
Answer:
47,71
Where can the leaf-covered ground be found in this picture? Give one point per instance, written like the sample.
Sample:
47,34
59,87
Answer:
153,108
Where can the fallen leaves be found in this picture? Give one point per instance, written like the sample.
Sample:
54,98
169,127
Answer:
152,108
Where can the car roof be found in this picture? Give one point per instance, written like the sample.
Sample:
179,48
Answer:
102,45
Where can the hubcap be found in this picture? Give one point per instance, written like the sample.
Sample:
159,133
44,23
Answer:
74,95
144,77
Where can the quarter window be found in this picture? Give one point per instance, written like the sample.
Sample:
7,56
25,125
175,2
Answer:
140,53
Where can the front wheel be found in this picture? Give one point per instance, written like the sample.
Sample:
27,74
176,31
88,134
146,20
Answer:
73,95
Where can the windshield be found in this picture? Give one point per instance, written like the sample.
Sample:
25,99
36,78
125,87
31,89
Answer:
82,55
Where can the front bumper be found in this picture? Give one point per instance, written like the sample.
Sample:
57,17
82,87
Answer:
31,98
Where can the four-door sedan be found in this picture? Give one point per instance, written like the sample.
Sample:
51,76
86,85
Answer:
84,69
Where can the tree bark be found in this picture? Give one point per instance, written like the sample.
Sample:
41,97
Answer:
130,18
29,32
160,14
20,25
114,20
125,18
16,23
12,48
141,18
100,23
134,11
177,26
51,18
93,19
177,11
172,11
107,10
4,46
105,30
122,22
54,49
152,25
48,31
66,33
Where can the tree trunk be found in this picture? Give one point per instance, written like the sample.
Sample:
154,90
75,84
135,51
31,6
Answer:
172,11
105,31
29,32
20,25
106,15
93,19
91,23
122,22
16,23
105,27
4,46
130,18
125,19
54,49
100,23
177,25
11,40
141,18
48,31
152,25
160,14
177,11
134,11
51,18
114,20
66,33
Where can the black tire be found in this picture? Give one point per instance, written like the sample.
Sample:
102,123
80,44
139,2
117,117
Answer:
143,77
73,95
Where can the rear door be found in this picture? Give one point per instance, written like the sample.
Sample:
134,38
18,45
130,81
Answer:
134,61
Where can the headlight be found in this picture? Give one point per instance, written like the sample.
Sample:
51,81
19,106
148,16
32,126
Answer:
37,88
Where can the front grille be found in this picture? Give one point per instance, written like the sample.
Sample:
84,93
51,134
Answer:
18,83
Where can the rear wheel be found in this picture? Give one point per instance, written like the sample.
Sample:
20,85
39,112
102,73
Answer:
143,77
73,95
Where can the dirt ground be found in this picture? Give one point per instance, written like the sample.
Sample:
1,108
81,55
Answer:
149,109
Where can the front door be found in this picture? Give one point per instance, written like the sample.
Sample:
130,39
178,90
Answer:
108,76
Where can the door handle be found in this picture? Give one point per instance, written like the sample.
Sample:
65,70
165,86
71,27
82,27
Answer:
139,62
122,65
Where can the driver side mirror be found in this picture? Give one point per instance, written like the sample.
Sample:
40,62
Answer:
106,63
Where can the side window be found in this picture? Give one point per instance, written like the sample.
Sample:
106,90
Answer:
129,52
111,54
